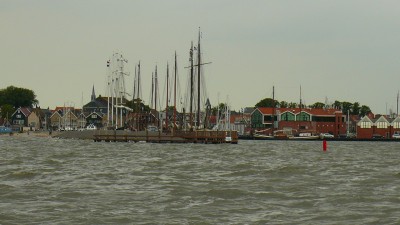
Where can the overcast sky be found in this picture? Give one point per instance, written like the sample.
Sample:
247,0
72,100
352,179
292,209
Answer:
346,50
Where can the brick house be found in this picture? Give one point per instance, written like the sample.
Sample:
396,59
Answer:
381,126
299,120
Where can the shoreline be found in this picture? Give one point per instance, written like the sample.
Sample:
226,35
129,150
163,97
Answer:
89,135
327,139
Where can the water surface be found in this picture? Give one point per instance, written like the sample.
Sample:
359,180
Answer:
56,181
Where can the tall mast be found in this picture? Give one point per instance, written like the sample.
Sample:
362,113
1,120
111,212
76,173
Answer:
191,87
112,101
152,90
198,80
166,108
175,92
116,101
155,89
108,94
397,112
134,86
138,100
155,95
138,81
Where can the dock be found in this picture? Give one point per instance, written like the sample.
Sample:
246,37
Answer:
200,136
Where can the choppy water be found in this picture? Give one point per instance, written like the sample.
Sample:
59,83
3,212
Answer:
53,181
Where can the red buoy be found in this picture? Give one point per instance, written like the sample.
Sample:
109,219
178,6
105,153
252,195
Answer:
324,145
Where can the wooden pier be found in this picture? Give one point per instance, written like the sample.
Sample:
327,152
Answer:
200,136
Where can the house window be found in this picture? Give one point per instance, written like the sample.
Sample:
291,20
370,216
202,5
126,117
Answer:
382,125
365,125
18,116
18,122
396,125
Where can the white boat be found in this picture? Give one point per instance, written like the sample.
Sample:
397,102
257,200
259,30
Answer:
305,136
262,136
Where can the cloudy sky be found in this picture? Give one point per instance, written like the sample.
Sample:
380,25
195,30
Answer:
346,50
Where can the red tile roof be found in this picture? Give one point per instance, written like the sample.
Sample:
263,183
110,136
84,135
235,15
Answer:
25,111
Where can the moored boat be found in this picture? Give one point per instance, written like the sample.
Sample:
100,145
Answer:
305,136
5,130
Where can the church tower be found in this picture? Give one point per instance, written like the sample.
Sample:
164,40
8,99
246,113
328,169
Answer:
93,98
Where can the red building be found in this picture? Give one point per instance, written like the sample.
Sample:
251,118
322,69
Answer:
379,127
314,121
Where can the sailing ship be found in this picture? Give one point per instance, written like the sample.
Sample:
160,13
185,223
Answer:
194,124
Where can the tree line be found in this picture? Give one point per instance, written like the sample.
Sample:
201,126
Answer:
346,107
12,98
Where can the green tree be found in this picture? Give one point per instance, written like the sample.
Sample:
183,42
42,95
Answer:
170,108
283,104
267,102
364,110
292,105
337,105
221,108
356,108
137,105
318,105
346,106
18,97
7,110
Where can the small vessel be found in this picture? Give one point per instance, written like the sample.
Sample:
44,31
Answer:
5,130
305,136
262,136
282,134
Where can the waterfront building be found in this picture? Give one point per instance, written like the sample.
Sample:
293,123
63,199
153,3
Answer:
19,118
39,118
316,121
95,118
377,127
65,118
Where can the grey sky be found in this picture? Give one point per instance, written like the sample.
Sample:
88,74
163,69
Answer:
341,50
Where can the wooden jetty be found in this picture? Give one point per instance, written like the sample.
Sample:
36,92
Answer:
199,136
